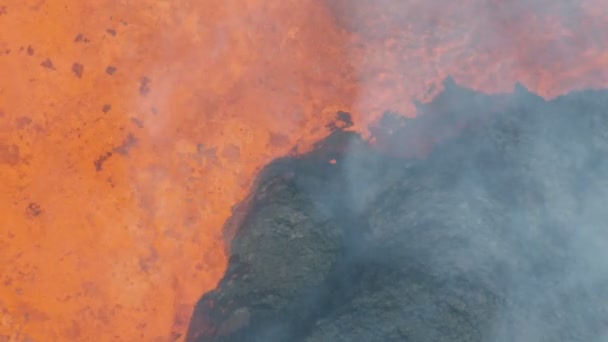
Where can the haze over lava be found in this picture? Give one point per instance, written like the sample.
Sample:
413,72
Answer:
129,129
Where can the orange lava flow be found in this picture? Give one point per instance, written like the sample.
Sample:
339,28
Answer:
128,129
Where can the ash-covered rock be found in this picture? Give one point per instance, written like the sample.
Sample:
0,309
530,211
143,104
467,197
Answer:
500,233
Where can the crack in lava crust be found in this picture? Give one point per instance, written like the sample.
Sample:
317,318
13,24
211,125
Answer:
129,129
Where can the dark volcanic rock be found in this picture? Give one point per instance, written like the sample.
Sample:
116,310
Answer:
499,234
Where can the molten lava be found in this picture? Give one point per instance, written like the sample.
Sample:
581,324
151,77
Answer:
129,129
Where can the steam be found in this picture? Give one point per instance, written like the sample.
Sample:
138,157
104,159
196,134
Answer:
557,270
552,253
550,243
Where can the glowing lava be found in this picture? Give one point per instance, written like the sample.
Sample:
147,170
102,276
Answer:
129,129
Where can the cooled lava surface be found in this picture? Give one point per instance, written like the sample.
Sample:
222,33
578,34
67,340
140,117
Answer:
499,233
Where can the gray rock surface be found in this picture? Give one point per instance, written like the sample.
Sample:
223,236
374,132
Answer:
499,234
